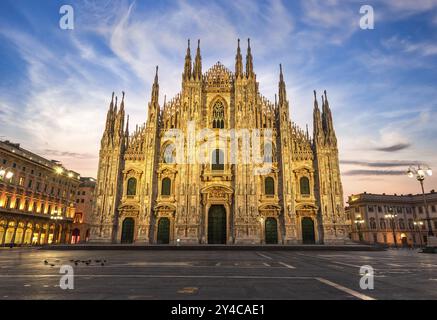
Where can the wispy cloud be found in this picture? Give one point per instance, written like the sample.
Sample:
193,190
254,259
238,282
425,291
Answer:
395,147
382,163
374,173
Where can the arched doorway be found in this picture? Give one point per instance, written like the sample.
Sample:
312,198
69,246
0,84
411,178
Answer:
2,232
271,230
19,235
28,236
127,231
75,237
404,240
308,235
9,235
163,236
217,225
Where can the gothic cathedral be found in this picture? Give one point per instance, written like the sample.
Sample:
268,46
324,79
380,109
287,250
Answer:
219,164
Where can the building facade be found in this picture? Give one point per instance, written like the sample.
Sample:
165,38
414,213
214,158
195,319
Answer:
371,222
84,210
36,198
219,164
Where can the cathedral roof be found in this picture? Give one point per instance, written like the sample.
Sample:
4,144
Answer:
218,76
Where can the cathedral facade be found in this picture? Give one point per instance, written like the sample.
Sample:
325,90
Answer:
219,164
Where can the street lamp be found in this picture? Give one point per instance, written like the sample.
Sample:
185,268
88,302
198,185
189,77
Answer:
391,217
358,221
420,174
6,174
59,170
419,225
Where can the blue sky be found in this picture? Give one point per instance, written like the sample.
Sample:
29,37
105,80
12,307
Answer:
55,84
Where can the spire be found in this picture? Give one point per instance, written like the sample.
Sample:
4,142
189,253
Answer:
122,102
127,127
282,88
187,67
155,88
239,63
317,121
197,70
115,108
109,115
328,125
249,61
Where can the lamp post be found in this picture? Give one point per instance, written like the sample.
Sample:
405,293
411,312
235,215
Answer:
391,217
358,221
418,225
420,174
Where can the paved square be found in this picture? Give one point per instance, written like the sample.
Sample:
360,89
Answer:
34,274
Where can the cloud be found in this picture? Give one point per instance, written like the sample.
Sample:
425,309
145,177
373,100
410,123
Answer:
381,164
421,48
374,173
57,153
405,8
395,147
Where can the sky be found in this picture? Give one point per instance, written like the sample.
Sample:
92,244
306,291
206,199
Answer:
56,84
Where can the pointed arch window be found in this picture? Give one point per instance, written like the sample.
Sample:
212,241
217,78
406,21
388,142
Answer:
269,186
218,115
166,187
218,160
305,186
131,187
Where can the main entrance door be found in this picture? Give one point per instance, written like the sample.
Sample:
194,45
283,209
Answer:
217,225
127,231
271,229
163,231
308,236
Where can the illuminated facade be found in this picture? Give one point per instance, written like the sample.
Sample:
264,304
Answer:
36,198
150,190
369,215
84,210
